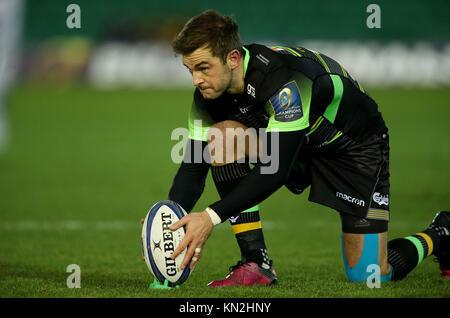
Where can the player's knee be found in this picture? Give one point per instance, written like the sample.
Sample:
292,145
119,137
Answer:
230,141
224,124
227,130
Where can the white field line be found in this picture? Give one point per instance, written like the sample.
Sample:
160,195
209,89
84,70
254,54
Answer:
118,225
69,225
124,225
135,225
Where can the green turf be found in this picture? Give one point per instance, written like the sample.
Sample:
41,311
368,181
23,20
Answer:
84,166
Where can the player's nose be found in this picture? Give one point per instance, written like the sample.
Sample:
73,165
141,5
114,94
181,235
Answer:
197,79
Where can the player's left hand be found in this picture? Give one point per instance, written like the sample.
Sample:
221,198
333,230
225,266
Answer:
198,229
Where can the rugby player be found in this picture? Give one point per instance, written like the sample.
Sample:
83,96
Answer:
330,137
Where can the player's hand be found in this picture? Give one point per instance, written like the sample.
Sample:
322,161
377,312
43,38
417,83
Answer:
198,229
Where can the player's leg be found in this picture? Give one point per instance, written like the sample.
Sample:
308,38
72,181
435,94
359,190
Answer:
364,244
364,240
404,254
228,169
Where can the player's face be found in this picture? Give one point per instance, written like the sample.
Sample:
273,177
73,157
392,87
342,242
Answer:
209,74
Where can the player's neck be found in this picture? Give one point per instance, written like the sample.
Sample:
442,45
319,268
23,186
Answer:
237,80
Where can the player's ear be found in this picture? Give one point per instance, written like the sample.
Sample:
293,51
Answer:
234,59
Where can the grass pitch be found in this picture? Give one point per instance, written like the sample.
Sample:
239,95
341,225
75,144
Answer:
84,166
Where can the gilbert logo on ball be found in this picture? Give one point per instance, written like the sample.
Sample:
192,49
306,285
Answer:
159,242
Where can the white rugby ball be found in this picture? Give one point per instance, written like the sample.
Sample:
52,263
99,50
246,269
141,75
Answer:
159,242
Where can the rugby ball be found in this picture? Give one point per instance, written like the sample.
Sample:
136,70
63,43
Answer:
159,242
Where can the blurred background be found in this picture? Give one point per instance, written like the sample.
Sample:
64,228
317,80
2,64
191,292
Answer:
88,104
127,42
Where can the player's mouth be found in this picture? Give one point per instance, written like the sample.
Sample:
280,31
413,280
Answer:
208,91
208,94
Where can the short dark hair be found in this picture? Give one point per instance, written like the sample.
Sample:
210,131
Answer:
211,29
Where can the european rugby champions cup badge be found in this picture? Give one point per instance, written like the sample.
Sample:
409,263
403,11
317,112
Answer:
287,103
284,97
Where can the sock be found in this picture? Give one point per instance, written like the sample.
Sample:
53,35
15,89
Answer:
404,254
249,235
246,224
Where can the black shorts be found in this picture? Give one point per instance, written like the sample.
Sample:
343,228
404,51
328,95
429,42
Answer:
353,181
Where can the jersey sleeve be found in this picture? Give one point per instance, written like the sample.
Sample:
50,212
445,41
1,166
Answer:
289,107
199,121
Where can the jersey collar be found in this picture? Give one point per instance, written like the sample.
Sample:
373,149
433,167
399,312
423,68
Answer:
246,60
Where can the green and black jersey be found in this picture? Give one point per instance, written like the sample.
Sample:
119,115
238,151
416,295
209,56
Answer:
292,88
310,99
